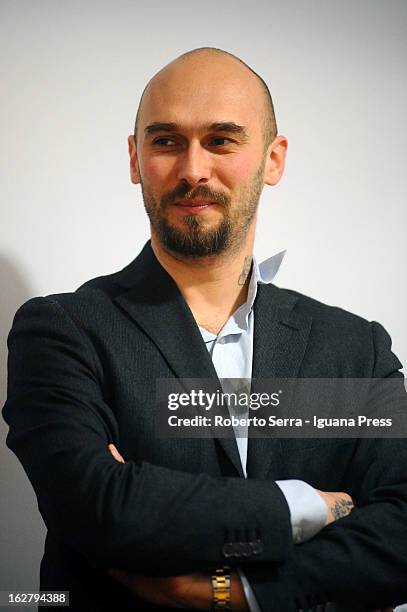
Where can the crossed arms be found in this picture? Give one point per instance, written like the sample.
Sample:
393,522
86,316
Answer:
193,591
60,426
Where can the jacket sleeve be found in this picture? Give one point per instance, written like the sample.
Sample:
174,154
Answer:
360,559
135,515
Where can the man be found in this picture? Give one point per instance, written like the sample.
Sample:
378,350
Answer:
157,522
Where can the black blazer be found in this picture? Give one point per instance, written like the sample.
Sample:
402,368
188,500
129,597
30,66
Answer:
82,373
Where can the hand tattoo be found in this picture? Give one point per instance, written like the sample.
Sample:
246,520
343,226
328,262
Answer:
342,508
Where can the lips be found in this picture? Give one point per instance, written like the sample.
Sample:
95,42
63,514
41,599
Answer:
193,207
194,203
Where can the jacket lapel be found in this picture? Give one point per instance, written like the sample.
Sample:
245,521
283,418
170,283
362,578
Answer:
154,302
280,341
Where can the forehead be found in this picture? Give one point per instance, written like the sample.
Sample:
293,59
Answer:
202,91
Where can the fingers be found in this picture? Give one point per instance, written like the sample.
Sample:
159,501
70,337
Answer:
116,453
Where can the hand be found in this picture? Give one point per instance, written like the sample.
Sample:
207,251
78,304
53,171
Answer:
339,504
192,591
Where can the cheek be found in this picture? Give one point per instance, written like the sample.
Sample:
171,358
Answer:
237,171
155,171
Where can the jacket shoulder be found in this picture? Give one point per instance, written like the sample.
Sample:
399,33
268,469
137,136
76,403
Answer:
336,331
89,300
323,312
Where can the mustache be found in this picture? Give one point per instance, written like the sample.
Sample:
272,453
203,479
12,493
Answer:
185,192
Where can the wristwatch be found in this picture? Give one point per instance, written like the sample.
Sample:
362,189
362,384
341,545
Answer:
220,578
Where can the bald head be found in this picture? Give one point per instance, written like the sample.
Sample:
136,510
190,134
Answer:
214,64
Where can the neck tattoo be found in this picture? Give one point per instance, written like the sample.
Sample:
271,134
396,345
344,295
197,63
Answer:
246,270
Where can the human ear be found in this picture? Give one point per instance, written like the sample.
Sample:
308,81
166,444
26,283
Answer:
134,172
275,161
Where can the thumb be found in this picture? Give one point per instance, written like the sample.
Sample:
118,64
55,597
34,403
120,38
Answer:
116,453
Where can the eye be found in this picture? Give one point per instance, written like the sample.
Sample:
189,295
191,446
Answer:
164,141
221,141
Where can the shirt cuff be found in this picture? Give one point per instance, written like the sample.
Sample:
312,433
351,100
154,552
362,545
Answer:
308,511
249,594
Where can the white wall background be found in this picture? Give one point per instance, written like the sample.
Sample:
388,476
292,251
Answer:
72,73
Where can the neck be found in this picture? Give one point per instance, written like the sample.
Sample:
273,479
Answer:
213,287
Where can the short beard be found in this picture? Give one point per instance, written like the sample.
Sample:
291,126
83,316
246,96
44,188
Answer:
194,241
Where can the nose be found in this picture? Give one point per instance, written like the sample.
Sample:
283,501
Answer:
194,164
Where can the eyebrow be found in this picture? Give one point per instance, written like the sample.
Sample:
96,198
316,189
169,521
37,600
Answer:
222,126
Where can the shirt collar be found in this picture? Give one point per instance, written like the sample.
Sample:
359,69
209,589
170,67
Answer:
264,273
